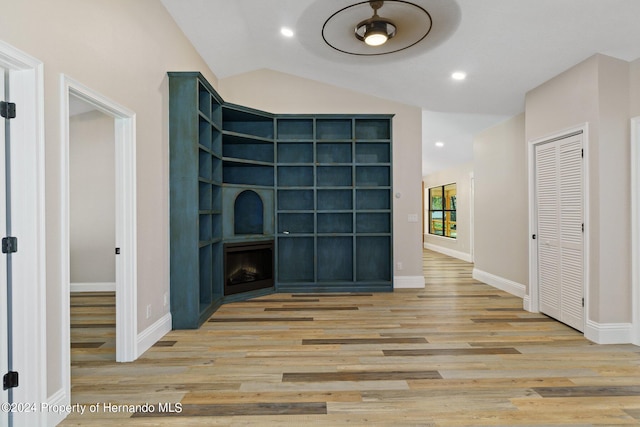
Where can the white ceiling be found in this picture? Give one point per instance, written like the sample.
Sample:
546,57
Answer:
506,47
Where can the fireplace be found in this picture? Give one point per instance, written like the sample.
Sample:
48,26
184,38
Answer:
248,266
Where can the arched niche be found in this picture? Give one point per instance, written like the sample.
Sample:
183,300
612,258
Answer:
248,213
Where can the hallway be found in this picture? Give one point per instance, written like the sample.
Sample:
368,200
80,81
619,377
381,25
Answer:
458,352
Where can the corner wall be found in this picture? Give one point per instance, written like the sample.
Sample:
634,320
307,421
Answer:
596,92
282,93
501,206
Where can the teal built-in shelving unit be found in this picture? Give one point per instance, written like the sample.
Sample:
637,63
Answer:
318,186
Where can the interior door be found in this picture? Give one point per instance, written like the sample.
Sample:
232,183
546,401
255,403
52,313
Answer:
5,346
560,230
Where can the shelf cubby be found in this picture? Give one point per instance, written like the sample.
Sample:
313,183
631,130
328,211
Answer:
244,122
204,226
333,153
240,147
334,176
373,199
333,129
205,164
331,200
205,200
373,129
295,176
295,200
298,152
295,259
237,172
377,152
206,275
295,223
204,133
373,258
373,176
335,259
335,223
295,129
373,222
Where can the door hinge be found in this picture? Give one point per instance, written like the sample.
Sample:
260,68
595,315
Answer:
9,245
533,236
582,153
8,110
117,251
10,380
583,302
583,227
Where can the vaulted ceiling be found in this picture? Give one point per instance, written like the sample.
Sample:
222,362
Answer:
506,48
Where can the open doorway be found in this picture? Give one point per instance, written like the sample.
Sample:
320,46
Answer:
123,249
92,232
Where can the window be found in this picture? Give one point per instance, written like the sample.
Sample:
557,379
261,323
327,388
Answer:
442,210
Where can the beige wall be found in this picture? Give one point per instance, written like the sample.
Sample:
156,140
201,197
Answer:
635,87
283,93
122,49
461,176
596,92
92,203
501,201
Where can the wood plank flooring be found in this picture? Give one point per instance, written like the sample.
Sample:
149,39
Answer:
457,353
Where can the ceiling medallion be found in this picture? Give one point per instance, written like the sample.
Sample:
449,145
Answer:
404,25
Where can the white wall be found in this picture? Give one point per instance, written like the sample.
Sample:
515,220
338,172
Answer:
92,198
596,92
460,247
278,92
501,202
121,49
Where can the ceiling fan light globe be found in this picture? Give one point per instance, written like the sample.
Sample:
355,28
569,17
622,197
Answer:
376,39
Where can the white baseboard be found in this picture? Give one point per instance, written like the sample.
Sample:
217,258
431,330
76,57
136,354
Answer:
153,333
57,399
608,333
501,283
408,282
449,252
93,287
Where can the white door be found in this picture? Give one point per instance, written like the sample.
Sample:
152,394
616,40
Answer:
4,352
560,230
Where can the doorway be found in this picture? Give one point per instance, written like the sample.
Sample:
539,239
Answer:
123,247
557,177
92,234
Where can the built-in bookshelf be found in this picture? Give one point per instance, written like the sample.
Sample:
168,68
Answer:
333,210
318,186
196,171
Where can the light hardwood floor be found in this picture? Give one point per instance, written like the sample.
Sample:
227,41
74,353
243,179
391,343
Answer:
458,352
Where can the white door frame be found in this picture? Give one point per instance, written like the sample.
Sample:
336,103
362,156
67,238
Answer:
531,300
635,228
28,225
126,262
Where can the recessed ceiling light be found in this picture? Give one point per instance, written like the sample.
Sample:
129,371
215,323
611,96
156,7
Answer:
287,32
439,144
459,75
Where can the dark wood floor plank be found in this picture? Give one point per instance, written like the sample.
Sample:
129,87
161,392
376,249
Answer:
254,409
587,391
359,341
451,351
359,376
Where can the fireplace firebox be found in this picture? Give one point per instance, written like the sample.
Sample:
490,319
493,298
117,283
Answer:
248,266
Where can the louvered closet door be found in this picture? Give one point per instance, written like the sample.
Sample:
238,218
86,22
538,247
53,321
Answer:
560,236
